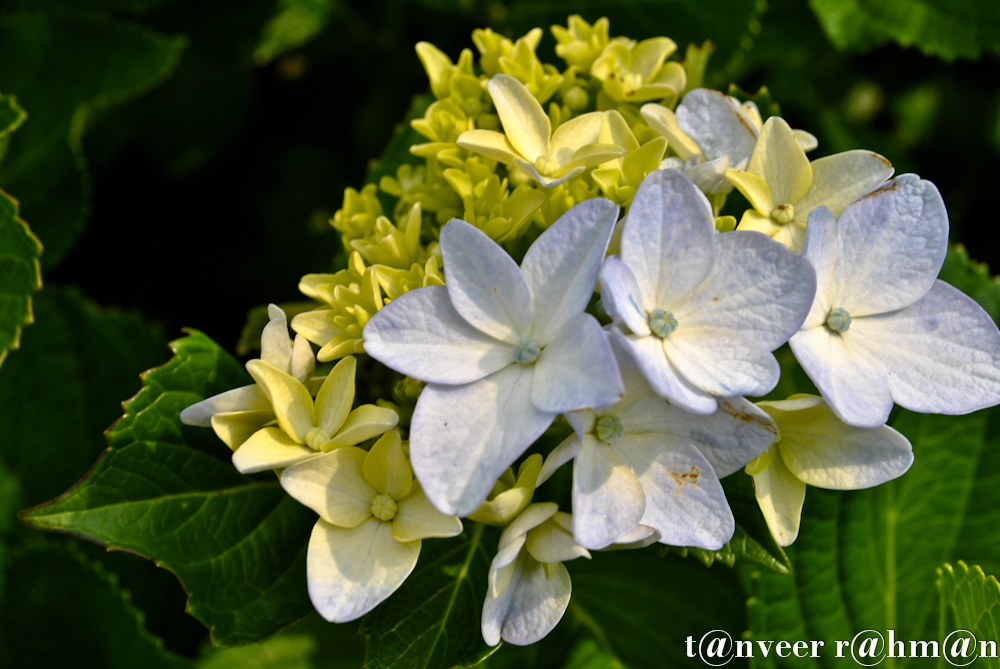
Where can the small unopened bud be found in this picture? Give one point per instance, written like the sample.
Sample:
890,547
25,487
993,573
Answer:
783,213
662,323
526,351
384,507
546,165
838,320
609,429
576,99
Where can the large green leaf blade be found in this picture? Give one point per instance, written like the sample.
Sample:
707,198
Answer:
20,274
970,600
161,490
60,67
433,620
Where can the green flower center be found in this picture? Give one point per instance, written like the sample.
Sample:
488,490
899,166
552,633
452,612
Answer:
384,507
838,320
609,429
783,213
316,437
526,351
546,165
662,323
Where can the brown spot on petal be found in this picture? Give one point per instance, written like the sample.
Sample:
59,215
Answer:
686,478
887,163
884,188
748,417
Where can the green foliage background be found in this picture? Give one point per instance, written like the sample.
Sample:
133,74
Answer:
172,163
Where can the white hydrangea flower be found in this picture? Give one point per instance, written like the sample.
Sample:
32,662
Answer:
699,311
711,132
882,328
815,447
529,588
238,413
504,349
372,518
643,461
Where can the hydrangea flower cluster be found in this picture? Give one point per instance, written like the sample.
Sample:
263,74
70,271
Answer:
557,262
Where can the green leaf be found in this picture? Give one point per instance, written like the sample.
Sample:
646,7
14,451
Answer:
288,651
11,118
296,22
62,68
589,655
20,274
972,278
433,620
168,492
866,559
741,547
949,30
642,607
60,609
63,388
970,600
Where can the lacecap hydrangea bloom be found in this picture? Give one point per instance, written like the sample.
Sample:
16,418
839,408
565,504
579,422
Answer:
557,278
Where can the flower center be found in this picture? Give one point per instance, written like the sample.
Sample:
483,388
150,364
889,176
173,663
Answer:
838,320
526,351
662,323
384,507
783,213
546,165
316,437
609,429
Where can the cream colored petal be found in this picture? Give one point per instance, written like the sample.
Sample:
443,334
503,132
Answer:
549,542
336,395
615,130
792,235
806,140
316,326
275,344
235,427
780,496
333,485
350,572
490,143
590,155
245,398
525,123
840,179
754,188
673,75
574,134
649,54
436,64
781,162
663,121
547,182
386,468
269,448
533,516
365,422
303,359
416,518
293,405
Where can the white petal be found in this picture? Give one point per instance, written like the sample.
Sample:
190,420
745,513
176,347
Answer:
484,283
893,243
662,376
561,266
537,605
275,344
780,496
822,248
269,448
684,499
498,602
668,240
416,518
721,363
757,289
352,571
421,335
607,497
639,536
840,179
941,355
462,438
245,398
333,485
577,370
843,373
729,438
621,296
717,124
568,449
821,450
525,123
